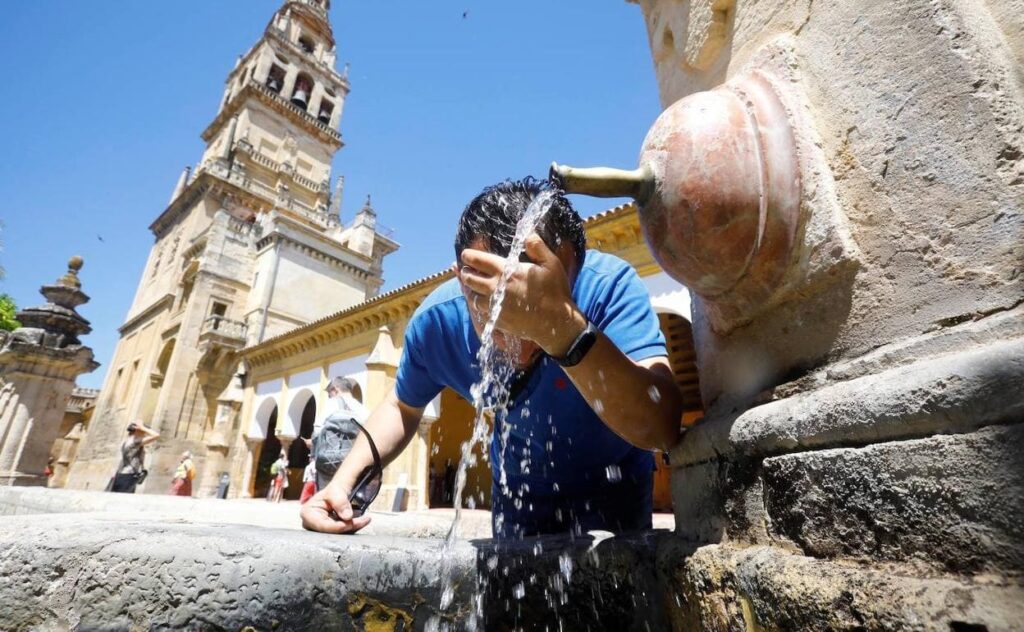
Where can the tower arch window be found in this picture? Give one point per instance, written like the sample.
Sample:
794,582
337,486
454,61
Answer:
275,78
303,89
326,110
306,44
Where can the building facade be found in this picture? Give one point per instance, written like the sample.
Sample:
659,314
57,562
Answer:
250,246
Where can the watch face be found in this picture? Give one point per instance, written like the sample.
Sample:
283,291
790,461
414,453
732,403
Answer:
580,346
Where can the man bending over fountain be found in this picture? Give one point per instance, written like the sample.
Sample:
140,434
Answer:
592,396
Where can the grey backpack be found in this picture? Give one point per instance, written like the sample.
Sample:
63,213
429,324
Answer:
333,444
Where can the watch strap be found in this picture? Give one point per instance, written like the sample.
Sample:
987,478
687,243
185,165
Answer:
579,347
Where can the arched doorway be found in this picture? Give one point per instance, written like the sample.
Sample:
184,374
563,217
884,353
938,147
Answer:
269,452
298,453
682,358
446,437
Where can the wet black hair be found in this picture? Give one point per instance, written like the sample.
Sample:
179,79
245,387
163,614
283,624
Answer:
495,212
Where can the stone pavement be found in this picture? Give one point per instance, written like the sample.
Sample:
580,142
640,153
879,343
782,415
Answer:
433,523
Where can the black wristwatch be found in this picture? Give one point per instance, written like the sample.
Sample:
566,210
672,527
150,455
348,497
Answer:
579,347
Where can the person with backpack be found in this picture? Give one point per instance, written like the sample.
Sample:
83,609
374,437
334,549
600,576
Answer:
183,476
279,470
333,437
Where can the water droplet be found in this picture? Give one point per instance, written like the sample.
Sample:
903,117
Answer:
519,591
471,503
555,488
598,406
565,566
492,562
655,394
614,474
447,596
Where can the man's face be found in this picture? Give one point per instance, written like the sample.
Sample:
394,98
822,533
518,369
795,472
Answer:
479,307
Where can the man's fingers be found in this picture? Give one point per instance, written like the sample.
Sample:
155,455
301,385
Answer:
317,519
539,252
338,501
483,262
481,285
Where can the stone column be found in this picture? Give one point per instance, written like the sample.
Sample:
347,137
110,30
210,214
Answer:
253,445
419,477
39,363
315,97
262,67
68,451
289,82
381,367
217,443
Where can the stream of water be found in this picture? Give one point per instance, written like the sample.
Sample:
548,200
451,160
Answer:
491,393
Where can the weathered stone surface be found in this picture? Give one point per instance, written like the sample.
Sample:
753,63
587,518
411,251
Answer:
918,109
84,573
956,500
92,575
954,392
106,506
717,500
723,588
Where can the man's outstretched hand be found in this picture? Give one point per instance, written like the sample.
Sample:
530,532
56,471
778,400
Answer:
329,511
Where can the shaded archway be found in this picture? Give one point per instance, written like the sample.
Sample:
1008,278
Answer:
156,380
452,428
298,453
269,452
682,358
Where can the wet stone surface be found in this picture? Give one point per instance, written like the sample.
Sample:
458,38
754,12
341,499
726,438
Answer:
953,501
77,572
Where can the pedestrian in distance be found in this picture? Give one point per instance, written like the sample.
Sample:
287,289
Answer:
130,470
184,474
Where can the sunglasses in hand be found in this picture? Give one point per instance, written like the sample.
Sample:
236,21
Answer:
369,482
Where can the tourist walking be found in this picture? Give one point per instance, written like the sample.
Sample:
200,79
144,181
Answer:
308,482
183,476
130,472
279,470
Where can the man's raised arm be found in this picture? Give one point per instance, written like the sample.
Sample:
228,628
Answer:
392,425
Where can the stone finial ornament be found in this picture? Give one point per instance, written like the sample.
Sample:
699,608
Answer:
70,278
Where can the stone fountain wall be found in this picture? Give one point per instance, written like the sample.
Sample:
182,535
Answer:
861,456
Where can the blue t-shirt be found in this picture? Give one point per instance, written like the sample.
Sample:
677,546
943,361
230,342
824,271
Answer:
559,452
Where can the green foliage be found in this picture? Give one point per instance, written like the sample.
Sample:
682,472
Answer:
7,311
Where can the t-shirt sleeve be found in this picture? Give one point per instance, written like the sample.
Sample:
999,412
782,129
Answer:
625,315
415,384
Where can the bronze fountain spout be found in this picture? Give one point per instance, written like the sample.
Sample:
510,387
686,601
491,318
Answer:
718,190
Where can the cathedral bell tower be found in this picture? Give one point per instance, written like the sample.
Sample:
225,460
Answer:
251,246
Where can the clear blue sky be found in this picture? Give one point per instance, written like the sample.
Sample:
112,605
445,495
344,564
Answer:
104,101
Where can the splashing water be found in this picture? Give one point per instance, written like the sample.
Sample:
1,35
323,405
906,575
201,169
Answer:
492,391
